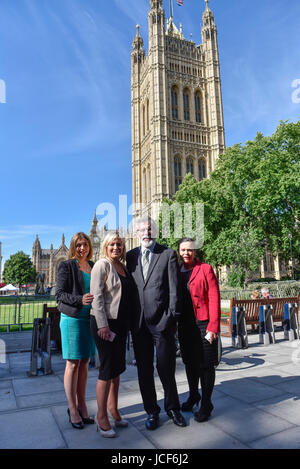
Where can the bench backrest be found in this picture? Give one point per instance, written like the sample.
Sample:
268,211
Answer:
48,311
252,306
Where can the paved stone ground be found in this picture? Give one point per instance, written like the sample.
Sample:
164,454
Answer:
256,399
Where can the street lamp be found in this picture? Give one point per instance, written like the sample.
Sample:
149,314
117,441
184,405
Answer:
291,249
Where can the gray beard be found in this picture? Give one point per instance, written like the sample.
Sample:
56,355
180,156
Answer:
147,244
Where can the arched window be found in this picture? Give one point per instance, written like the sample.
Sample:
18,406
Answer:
148,184
186,104
177,172
198,107
201,170
174,99
143,121
190,166
144,188
148,123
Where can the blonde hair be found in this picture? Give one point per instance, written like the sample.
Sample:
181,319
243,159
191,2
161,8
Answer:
76,237
108,239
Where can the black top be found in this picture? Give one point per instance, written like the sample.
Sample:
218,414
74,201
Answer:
128,291
188,316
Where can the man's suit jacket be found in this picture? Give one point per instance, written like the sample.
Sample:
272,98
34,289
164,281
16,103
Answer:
205,293
158,293
70,287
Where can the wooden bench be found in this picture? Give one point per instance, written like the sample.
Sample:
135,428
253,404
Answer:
53,313
252,311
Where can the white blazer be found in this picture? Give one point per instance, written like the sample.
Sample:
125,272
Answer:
107,289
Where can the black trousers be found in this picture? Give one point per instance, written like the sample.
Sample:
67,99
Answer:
200,359
144,342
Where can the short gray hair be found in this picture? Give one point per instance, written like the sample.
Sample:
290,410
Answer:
147,219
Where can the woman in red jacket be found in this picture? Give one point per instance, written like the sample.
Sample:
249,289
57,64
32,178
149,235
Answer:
198,328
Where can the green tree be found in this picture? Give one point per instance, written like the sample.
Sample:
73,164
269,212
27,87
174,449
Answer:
251,201
18,269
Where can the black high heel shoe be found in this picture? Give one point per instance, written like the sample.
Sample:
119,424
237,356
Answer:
86,420
188,405
77,425
203,414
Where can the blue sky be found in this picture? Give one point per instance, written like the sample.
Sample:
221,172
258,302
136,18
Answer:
65,128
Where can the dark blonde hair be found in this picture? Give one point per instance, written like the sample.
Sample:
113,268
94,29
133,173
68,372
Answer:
76,237
255,295
108,238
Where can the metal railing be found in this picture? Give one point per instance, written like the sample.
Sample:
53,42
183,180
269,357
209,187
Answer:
20,311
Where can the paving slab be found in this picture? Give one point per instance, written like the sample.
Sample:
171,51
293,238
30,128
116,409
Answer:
194,436
287,409
231,415
17,341
30,429
7,396
89,438
288,439
41,399
248,389
256,405
36,385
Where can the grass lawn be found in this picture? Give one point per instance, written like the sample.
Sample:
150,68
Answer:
21,311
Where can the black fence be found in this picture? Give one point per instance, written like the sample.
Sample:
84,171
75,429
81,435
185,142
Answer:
19,311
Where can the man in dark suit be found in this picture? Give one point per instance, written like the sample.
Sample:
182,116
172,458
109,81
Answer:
155,271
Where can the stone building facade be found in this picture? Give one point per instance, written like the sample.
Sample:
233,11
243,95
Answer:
177,125
47,260
0,262
97,236
177,113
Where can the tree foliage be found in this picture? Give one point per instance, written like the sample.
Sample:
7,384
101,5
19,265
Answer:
18,269
251,200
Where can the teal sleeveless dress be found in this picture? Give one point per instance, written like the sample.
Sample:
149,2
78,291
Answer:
76,339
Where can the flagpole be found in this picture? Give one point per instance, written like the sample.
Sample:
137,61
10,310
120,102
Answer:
171,9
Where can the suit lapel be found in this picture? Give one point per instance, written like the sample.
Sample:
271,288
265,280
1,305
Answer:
80,277
140,267
196,269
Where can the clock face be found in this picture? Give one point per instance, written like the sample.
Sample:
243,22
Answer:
96,239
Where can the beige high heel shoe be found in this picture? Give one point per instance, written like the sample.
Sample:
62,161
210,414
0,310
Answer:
121,423
105,433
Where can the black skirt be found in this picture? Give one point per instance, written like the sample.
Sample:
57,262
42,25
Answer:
209,353
112,355
195,349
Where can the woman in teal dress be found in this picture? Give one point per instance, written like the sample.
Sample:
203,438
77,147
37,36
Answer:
78,346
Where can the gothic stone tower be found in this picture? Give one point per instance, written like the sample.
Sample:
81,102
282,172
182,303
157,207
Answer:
176,102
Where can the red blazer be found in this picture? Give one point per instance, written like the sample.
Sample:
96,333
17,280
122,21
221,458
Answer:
205,293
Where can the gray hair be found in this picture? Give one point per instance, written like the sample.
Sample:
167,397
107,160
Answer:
147,219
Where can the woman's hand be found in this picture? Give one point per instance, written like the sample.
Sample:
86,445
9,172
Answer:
87,299
104,333
213,336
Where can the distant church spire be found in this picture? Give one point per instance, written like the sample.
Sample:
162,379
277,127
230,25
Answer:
95,220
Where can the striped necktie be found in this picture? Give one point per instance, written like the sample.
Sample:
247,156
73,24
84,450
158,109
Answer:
145,262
